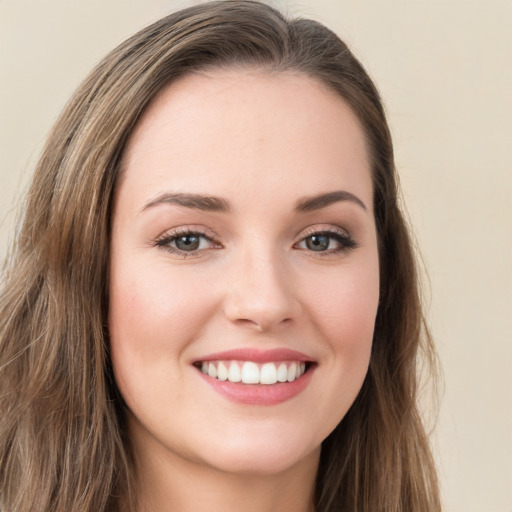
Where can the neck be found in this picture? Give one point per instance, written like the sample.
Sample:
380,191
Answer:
172,484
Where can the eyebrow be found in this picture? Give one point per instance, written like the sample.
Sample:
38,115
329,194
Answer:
194,201
218,204
308,204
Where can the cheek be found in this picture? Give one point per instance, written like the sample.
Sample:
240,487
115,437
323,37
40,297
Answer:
342,307
345,306
343,310
154,307
152,319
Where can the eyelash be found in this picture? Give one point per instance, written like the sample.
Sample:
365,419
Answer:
345,241
168,238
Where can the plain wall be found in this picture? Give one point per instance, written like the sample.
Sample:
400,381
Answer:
445,74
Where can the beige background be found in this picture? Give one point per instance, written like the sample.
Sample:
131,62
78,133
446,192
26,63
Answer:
444,70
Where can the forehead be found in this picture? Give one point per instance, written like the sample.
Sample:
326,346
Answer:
205,132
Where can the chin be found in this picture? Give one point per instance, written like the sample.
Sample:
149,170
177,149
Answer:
262,455
261,466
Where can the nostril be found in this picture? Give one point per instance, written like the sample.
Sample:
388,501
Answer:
262,324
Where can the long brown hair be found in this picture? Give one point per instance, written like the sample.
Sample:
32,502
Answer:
63,447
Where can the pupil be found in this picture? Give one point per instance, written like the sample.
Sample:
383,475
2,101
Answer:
187,243
317,242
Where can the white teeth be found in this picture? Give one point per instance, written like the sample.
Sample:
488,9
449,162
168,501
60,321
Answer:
282,373
250,372
268,374
222,371
212,370
292,371
234,372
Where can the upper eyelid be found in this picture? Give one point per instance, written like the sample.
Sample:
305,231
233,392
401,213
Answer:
322,228
339,234
186,230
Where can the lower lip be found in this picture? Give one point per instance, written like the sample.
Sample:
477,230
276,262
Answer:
260,394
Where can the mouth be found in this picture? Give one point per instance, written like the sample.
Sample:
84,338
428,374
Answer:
253,372
257,377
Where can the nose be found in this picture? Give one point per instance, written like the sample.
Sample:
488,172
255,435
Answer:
261,294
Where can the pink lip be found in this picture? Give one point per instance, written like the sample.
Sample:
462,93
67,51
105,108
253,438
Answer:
257,356
258,394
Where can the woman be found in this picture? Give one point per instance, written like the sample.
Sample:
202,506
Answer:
213,300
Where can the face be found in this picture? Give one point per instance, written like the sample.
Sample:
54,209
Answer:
244,273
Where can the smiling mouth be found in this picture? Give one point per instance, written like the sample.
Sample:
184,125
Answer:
250,372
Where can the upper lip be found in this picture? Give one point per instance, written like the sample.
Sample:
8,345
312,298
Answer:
257,355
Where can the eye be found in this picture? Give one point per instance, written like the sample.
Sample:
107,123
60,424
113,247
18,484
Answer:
318,242
329,241
186,242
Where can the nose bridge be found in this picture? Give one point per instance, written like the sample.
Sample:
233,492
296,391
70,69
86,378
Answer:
260,294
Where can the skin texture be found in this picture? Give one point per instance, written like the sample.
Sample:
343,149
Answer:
261,142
